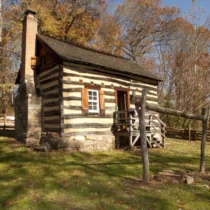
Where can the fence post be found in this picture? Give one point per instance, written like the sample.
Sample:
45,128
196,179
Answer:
143,138
5,118
162,127
203,141
189,132
130,130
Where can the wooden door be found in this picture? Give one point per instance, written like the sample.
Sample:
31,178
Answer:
122,99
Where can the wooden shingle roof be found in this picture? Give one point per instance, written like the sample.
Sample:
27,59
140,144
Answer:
72,53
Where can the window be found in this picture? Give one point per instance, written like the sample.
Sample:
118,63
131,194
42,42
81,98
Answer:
93,101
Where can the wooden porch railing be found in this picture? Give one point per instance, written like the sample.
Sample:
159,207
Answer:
126,124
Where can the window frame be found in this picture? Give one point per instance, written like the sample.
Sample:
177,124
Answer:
101,100
97,101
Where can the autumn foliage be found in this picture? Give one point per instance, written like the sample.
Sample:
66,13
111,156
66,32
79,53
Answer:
157,38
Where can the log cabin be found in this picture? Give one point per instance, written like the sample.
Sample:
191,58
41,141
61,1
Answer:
69,94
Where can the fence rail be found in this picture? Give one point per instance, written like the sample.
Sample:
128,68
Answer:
7,123
187,134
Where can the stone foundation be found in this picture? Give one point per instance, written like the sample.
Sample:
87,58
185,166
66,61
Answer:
87,143
79,143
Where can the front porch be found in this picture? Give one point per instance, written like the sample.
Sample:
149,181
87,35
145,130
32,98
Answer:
127,134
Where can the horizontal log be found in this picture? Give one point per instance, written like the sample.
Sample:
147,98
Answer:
50,80
85,133
51,129
49,109
80,108
148,98
54,87
70,98
7,126
126,133
87,125
174,112
108,79
109,72
104,79
49,85
84,83
112,108
51,96
50,113
54,117
142,86
71,90
133,86
52,122
42,77
89,120
76,116
94,70
133,89
78,90
51,104
79,97
71,107
108,93
109,100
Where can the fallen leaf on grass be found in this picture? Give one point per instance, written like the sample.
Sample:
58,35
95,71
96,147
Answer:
9,203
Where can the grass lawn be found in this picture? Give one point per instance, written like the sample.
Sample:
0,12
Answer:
101,180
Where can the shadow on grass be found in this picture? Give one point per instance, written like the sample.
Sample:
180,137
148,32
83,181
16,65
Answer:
81,180
7,133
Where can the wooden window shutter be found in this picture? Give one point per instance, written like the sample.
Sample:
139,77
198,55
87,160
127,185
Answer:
84,100
102,103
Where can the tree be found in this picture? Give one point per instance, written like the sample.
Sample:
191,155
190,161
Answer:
67,20
9,58
107,37
183,62
144,23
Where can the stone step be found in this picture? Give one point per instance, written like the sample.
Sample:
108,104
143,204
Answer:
42,148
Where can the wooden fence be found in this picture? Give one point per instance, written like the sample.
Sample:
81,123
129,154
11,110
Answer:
187,134
7,123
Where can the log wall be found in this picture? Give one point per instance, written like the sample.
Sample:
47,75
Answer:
61,89
75,77
51,113
88,132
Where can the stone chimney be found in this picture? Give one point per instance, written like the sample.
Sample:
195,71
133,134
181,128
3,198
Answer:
28,126
28,44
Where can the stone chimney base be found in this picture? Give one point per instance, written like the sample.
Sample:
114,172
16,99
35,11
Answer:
28,114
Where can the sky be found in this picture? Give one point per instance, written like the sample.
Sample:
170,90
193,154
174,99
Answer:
184,5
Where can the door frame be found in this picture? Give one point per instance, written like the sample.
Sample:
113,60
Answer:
127,90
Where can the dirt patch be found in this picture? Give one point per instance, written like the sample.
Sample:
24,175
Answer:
169,177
